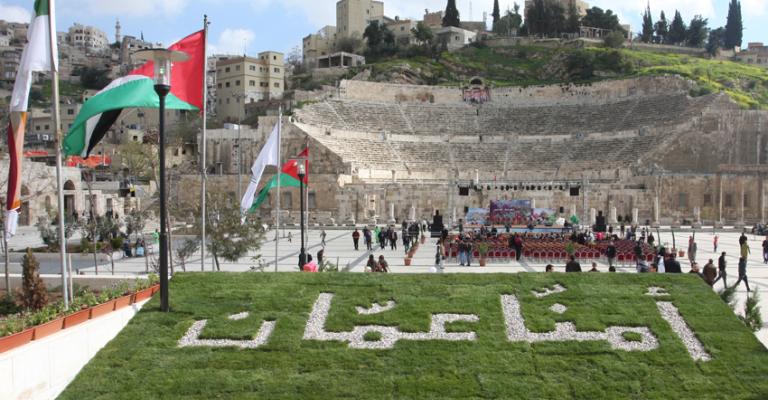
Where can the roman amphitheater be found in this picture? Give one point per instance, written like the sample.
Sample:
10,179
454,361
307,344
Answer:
640,147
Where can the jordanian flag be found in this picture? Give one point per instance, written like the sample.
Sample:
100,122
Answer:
289,177
38,55
135,90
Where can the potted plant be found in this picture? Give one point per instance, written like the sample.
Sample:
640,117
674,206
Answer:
408,261
482,248
15,340
107,306
570,248
47,321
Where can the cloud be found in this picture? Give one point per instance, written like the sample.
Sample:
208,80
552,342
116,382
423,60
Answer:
132,8
753,8
15,13
232,41
634,8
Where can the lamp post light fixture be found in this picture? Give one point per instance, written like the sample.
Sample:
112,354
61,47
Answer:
302,252
162,59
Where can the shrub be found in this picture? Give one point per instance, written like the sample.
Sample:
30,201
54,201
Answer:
614,40
752,318
33,294
8,306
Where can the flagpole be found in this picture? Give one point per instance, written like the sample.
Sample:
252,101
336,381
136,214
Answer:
279,172
56,125
203,158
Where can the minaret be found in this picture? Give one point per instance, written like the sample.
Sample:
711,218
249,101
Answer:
118,37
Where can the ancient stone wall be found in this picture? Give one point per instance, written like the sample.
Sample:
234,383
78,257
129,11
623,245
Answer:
564,94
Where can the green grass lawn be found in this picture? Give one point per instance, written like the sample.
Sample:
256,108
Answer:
144,362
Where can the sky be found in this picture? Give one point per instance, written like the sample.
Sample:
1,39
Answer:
279,25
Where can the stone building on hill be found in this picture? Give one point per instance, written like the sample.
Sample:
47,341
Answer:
242,80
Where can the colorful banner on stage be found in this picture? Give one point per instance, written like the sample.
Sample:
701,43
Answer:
513,212
476,216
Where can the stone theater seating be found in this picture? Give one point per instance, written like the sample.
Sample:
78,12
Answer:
423,137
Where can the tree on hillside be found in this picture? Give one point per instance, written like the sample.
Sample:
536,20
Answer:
545,18
509,23
677,30
496,14
734,28
716,41
92,78
348,44
696,35
451,16
597,18
423,34
573,21
662,29
646,36
379,38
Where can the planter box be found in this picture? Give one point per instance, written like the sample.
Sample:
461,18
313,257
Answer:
155,289
122,302
142,295
48,328
102,309
16,340
77,318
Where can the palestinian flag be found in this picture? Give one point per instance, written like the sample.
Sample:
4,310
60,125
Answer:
37,56
137,89
289,177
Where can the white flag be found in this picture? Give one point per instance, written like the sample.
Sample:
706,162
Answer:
269,155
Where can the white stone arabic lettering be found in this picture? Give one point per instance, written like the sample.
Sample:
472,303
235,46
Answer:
566,331
192,337
376,308
388,335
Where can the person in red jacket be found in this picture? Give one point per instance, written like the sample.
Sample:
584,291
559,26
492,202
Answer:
356,238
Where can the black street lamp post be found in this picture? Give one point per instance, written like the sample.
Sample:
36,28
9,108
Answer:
162,59
302,253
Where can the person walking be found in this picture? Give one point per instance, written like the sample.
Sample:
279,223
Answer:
393,239
745,251
721,274
368,239
406,240
356,238
743,273
610,253
715,241
692,250
439,256
322,237
765,250
462,252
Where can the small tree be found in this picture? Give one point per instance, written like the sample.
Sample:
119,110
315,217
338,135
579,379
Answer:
451,16
496,14
186,250
716,41
614,40
662,29
647,33
734,27
697,32
231,235
423,34
752,317
677,30
33,294
135,221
